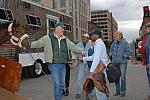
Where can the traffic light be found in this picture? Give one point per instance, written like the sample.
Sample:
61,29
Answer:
146,11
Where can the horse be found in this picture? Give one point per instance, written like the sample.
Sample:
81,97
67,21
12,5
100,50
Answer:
15,33
10,71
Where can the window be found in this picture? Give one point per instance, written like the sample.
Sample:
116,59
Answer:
105,37
67,27
71,3
77,34
6,15
2,3
76,17
52,23
75,4
63,3
33,20
54,4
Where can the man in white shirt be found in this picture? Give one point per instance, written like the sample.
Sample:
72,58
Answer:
100,54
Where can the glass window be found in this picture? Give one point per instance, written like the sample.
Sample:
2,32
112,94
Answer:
33,20
2,3
6,14
76,17
52,23
77,34
54,4
62,3
70,3
75,4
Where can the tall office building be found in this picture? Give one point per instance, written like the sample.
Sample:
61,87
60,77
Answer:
105,21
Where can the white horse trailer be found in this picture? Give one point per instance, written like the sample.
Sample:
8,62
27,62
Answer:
29,60
37,21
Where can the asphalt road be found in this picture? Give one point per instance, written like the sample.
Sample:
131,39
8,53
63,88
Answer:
42,88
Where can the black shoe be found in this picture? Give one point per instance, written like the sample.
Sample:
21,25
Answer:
122,94
77,96
63,92
117,93
66,93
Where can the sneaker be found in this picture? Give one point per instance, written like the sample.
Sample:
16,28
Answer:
117,93
122,94
77,95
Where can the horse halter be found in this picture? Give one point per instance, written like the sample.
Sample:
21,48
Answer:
15,40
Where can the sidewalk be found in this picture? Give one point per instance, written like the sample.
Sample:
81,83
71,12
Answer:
42,88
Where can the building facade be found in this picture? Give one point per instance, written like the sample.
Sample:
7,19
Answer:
106,22
78,9
37,21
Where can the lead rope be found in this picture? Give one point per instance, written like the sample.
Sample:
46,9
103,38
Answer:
50,80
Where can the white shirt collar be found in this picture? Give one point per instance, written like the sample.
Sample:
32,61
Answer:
98,40
62,37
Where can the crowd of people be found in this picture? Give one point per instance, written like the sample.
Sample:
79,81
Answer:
89,52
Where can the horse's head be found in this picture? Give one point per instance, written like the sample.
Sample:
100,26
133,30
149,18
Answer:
18,36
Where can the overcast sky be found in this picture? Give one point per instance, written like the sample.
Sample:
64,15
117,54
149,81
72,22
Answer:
127,13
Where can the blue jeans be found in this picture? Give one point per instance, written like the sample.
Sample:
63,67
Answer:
121,88
81,75
100,95
58,72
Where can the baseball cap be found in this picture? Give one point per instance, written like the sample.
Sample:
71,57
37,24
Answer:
60,24
97,31
90,33
85,35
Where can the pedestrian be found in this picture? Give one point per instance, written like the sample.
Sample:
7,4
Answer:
67,80
89,64
90,53
67,77
100,54
145,51
81,65
56,50
119,52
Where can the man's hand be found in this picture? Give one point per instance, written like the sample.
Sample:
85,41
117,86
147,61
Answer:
84,63
80,58
90,75
83,53
71,65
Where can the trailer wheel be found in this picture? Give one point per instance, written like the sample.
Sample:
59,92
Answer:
36,70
